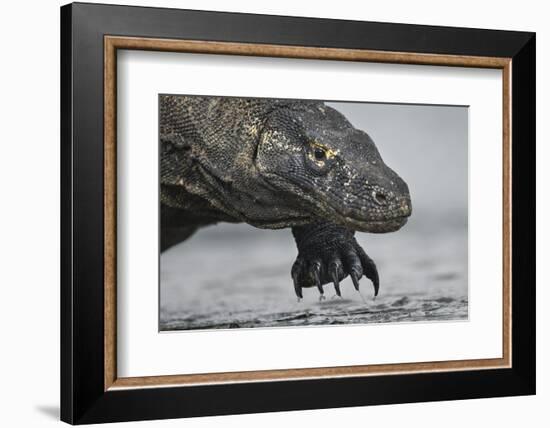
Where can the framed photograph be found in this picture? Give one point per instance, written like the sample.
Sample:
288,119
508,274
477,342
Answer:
266,213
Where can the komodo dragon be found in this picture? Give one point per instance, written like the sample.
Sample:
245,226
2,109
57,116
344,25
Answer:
273,164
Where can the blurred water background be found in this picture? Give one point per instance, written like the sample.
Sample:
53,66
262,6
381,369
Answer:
236,276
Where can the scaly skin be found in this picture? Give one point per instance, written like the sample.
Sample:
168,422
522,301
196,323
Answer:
276,164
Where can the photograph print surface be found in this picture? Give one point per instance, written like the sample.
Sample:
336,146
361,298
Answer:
288,212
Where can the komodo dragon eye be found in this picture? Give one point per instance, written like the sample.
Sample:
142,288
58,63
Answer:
319,158
319,153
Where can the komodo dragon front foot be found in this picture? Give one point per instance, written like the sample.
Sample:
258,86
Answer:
329,253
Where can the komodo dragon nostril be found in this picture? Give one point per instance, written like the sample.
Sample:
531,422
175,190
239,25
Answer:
380,198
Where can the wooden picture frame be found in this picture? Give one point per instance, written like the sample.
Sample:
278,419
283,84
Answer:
91,390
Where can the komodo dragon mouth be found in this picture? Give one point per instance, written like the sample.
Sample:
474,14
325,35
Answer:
387,219
385,226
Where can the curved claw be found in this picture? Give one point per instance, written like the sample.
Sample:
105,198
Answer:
335,270
297,287
316,268
334,276
295,272
370,271
376,284
355,279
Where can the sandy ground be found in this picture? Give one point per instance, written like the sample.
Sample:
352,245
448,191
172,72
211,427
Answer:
235,276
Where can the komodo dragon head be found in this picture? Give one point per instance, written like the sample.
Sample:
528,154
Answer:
311,153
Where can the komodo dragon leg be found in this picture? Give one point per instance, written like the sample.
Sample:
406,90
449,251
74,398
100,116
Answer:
329,253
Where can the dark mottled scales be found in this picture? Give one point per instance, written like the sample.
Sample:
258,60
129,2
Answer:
277,164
